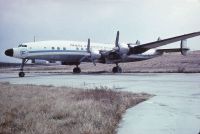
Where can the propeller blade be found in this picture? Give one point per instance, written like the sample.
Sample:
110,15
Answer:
88,57
83,58
93,62
88,46
117,40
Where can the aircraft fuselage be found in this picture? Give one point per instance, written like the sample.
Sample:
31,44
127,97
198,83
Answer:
71,52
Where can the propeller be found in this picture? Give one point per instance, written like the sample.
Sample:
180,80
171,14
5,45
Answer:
117,41
88,46
91,57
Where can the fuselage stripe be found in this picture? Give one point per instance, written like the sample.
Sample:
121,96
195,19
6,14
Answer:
43,51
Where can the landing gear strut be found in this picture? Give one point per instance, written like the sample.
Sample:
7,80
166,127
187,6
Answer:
117,69
76,70
21,73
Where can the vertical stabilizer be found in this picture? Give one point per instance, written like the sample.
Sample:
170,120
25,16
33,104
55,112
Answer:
184,48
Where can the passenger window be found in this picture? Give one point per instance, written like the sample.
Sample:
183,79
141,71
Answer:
77,48
58,48
81,48
53,48
64,48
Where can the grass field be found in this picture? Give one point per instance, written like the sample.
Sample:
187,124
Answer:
34,109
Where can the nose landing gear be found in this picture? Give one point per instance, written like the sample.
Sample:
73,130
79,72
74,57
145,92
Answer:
21,73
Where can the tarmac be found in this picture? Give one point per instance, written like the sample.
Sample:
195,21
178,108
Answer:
175,109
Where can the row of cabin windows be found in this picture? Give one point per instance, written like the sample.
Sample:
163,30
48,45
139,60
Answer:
64,48
53,48
58,48
80,49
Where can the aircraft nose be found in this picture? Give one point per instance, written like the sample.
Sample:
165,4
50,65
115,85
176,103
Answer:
9,52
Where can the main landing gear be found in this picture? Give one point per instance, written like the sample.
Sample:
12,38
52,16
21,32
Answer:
76,70
117,69
21,73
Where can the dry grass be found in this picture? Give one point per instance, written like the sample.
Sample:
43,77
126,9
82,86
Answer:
51,110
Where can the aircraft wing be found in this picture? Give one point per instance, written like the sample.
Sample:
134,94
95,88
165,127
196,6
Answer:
144,47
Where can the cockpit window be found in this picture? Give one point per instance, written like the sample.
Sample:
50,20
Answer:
22,45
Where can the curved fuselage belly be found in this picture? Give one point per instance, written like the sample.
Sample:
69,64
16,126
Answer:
75,52
65,56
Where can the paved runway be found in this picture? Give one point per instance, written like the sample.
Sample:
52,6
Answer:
174,110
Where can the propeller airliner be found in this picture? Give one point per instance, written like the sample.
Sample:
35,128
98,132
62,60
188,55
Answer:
75,52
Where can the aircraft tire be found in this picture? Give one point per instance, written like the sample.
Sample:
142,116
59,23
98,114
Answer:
21,74
117,69
76,70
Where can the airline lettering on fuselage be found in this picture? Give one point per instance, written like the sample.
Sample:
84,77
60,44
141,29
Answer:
77,45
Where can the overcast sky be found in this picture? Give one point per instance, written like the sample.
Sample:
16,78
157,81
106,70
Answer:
144,20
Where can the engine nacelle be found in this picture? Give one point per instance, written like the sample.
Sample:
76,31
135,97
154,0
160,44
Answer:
114,56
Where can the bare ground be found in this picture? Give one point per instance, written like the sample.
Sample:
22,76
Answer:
168,63
28,109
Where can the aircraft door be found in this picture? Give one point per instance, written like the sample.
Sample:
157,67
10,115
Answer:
23,52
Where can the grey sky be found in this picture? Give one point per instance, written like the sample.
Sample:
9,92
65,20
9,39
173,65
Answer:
145,20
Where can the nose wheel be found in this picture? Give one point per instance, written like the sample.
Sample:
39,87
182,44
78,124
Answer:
117,69
21,74
76,70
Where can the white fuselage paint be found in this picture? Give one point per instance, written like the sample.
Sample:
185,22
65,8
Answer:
70,51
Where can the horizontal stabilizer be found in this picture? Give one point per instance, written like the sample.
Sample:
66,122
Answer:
161,51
